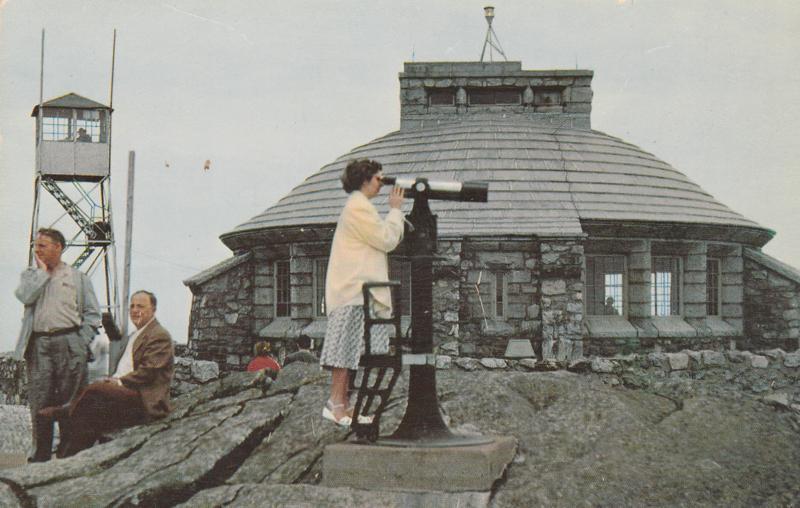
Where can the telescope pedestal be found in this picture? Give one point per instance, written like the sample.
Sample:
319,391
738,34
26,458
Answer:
418,468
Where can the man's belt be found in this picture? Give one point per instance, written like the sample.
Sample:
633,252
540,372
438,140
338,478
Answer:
56,332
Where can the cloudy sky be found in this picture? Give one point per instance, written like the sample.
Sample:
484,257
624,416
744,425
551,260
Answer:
271,91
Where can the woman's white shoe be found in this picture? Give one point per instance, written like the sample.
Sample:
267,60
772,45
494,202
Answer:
327,413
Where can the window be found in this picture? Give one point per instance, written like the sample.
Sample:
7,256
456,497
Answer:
499,293
547,97
665,286
320,271
712,287
282,288
441,97
56,125
605,285
89,120
491,96
401,271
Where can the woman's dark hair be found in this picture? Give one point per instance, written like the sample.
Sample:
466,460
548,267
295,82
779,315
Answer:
357,172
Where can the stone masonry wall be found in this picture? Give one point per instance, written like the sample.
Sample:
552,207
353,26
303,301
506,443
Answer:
221,324
446,290
483,334
561,280
771,309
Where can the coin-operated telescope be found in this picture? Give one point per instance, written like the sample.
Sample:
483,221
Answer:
422,424
443,191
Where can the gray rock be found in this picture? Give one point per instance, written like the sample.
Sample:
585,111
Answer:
239,441
582,364
204,371
603,365
774,354
8,498
528,363
15,429
467,363
739,356
449,348
678,361
494,363
713,358
443,361
791,360
256,496
759,362
778,399
659,360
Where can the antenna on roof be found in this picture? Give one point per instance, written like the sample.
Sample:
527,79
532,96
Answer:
491,37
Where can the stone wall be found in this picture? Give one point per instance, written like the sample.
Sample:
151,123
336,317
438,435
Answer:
772,373
189,374
771,308
482,333
571,108
13,381
561,273
221,325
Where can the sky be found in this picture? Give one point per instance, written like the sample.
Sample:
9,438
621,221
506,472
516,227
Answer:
270,92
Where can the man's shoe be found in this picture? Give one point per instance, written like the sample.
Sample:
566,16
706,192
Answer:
54,413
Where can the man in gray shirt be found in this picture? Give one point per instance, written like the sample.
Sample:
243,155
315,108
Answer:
61,318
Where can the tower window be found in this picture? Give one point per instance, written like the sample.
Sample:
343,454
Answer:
547,97
282,288
494,96
445,97
605,285
89,121
665,286
57,125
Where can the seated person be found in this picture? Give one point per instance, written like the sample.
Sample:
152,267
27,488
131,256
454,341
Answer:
303,353
83,136
138,392
608,308
263,360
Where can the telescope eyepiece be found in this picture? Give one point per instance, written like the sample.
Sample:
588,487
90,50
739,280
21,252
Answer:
388,180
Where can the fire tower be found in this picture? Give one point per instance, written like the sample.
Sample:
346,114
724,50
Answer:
73,148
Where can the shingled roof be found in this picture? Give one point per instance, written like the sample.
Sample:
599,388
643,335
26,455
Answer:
70,100
542,181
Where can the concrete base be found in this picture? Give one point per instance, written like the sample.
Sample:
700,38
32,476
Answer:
449,469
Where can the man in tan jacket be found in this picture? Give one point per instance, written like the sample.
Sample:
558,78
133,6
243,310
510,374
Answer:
138,391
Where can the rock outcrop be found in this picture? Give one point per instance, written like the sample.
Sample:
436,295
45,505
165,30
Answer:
244,440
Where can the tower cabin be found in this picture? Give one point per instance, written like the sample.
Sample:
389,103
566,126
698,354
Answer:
73,139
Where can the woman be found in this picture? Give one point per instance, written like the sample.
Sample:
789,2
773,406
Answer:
358,255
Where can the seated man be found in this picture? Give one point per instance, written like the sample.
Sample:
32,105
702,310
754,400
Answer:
303,353
138,392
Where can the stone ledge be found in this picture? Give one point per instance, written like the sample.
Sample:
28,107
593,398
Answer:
432,469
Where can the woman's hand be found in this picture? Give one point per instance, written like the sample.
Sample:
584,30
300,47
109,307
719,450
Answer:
396,197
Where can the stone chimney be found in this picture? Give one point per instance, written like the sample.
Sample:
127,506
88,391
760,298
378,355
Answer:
435,92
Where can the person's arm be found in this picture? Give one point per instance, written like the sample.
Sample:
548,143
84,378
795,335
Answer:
90,318
31,285
382,234
157,356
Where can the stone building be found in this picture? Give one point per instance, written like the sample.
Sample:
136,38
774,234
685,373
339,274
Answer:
588,244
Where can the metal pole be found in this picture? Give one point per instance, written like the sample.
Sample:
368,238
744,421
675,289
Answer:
115,311
39,135
126,277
